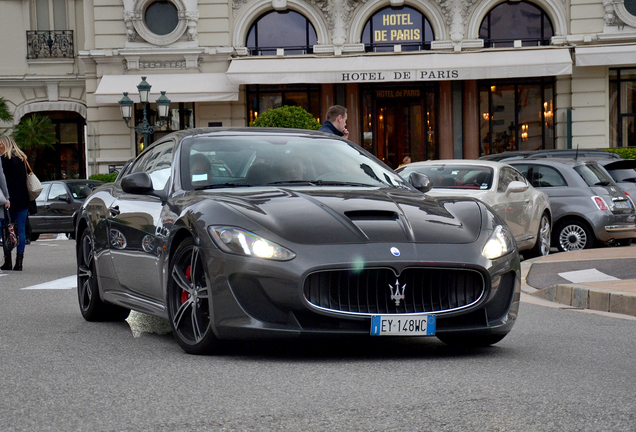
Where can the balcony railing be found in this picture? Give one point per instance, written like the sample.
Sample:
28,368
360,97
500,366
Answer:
49,44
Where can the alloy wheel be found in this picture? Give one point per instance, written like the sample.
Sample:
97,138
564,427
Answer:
545,233
85,278
573,237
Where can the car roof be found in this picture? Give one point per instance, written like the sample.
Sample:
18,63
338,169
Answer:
554,161
553,153
469,162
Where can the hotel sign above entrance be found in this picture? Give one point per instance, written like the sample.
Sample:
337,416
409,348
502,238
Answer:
393,76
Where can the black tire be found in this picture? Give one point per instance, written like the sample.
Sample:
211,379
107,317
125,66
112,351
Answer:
90,302
34,236
71,235
542,246
470,341
624,242
574,235
189,300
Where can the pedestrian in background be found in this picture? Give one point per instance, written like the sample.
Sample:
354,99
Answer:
15,172
336,121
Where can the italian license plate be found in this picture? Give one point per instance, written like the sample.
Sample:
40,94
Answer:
403,325
622,204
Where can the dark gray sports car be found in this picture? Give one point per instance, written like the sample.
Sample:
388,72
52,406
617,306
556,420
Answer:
243,233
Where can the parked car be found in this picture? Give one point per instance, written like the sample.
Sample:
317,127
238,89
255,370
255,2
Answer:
525,209
551,153
303,234
623,172
57,206
588,206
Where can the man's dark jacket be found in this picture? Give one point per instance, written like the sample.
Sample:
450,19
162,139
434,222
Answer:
330,128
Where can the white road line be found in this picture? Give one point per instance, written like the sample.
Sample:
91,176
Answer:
589,275
69,282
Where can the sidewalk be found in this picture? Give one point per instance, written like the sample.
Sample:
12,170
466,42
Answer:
603,292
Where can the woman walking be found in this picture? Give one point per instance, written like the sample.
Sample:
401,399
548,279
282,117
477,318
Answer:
14,166
5,193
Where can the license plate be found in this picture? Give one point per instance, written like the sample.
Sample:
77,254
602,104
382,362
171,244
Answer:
403,325
622,204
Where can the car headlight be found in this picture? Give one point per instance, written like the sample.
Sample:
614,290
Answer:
241,242
499,243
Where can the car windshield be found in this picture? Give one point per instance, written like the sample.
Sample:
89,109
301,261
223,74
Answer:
593,175
82,190
454,176
231,161
623,175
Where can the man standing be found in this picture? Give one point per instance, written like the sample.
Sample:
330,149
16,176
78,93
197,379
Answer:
336,121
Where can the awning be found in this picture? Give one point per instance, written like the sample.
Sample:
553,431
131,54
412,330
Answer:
402,67
194,87
615,55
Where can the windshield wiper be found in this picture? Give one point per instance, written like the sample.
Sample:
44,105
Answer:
222,185
341,183
293,182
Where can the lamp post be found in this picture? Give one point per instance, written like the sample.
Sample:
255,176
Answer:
145,128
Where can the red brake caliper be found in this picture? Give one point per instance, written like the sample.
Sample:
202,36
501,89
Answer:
184,294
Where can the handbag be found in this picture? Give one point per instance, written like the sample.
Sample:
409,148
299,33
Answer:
9,239
34,187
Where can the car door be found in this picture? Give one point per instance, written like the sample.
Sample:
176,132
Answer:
38,221
59,209
135,232
517,205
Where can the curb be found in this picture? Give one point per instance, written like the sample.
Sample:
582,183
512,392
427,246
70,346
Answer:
582,296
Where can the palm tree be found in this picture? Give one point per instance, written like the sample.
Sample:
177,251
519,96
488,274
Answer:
5,114
35,132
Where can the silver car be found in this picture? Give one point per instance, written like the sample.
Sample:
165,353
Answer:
589,208
526,210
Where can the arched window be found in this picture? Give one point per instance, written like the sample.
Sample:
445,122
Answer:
392,26
286,29
518,20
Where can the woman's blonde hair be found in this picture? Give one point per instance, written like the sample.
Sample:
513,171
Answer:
11,148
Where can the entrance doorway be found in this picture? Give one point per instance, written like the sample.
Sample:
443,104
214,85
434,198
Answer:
398,123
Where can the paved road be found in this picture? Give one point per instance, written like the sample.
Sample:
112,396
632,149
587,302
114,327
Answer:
559,370
547,274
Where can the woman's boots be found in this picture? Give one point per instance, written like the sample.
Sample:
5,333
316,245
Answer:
18,262
7,262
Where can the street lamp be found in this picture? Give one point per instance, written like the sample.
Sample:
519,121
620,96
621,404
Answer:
145,128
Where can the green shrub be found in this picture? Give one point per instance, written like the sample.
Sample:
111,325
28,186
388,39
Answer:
625,152
287,117
106,178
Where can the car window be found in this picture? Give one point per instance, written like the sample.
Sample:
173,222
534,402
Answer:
45,193
222,161
593,175
507,175
56,190
541,176
82,190
448,176
157,162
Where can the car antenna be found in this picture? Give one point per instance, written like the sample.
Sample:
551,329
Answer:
576,155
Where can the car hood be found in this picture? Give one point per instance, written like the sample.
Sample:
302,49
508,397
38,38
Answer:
342,215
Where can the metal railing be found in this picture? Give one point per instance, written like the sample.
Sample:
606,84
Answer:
49,44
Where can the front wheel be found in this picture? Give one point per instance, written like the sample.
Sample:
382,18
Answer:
470,341
542,246
574,235
189,300
91,305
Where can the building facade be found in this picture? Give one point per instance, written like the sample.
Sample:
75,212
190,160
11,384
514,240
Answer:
428,79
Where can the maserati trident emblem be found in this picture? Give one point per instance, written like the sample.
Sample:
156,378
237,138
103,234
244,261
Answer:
397,294
395,251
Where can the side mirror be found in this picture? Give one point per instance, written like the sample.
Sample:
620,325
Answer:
64,197
138,183
516,187
420,181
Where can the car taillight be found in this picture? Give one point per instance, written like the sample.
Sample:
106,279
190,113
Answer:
630,198
600,203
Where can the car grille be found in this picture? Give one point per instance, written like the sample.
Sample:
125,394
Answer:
369,291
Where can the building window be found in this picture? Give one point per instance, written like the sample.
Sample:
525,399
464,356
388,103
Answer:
161,17
402,26
516,20
50,14
516,115
622,107
264,97
281,29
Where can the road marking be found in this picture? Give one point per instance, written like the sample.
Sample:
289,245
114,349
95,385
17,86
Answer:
69,282
589,275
